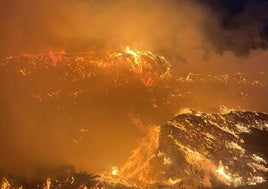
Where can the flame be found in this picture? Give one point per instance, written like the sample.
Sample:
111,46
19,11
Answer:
114,171
133,53
5,184
48,183
221,171
148,67
174,181
137,167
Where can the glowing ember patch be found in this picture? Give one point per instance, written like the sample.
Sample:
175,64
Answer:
114,171
234,145
258,159
145,66
242,129
48,183
259,167
5,184
167,161
255,180
174,181
222,172
225,110
129,51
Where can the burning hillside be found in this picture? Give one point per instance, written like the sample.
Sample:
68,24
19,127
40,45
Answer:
87,88
193,150
81,99
203,150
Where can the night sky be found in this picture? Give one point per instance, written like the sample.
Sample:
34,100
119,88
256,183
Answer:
233,7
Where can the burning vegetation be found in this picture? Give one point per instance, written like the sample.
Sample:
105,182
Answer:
87,90
212,148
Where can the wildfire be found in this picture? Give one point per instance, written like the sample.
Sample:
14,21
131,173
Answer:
147,67
187,146
152,163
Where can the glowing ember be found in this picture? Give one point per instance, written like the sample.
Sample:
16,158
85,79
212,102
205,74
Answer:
129,51
223,173
174,181
114,171
48,183
5,184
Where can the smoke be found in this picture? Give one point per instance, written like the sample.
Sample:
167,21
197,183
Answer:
177,27
188,33
35,25
193,36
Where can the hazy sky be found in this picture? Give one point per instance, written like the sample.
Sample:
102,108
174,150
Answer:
30,25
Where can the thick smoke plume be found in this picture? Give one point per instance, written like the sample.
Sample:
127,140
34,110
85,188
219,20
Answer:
188,32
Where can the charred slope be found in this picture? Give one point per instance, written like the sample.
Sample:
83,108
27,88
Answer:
199,150
203,150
